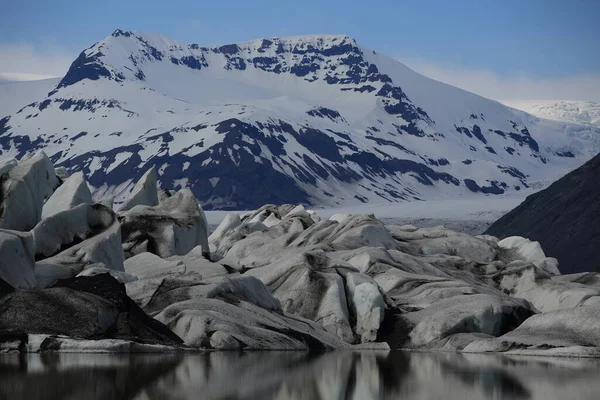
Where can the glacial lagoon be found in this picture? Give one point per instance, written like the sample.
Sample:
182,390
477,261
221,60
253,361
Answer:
297,375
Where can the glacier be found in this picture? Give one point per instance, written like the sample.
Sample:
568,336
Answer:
151,279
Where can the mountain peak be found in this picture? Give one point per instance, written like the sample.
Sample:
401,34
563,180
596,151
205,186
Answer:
160,40
314,119
125,54
119,32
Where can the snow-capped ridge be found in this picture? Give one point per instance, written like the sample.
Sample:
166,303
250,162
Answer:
117,56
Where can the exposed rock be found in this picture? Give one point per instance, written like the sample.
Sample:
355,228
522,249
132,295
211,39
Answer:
143,193
563,217
73,192
58,311
131,322
94,307
5,288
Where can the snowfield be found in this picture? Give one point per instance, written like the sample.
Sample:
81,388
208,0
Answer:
15,95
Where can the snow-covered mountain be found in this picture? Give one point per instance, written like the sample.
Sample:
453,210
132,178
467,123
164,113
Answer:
311,119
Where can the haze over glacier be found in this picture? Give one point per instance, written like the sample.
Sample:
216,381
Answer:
318,120
581,112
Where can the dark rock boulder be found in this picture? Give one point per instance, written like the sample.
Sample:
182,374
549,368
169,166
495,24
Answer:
5,288
564,218
132,323
95,307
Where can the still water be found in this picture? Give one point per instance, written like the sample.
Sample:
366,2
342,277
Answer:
293,375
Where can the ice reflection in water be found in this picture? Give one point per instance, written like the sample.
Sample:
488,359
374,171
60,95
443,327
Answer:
295,375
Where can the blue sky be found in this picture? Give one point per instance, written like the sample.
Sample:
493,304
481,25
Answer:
532,40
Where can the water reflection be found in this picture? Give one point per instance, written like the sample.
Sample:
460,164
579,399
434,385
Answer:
294,375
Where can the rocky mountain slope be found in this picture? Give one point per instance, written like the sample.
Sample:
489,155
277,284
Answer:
564,218
76,276
314,119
